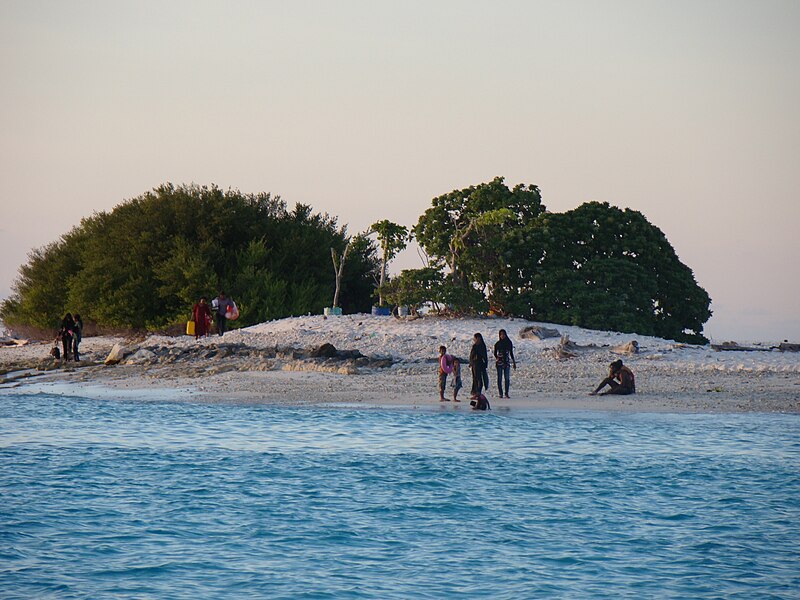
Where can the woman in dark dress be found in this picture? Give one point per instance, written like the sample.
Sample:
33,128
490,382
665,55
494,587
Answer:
65,333
478,362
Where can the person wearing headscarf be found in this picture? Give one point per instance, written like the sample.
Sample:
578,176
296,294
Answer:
504,360
65,333
478,362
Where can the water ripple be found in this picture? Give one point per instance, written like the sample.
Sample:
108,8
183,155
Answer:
108,498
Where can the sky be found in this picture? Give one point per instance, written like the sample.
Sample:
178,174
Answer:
688,111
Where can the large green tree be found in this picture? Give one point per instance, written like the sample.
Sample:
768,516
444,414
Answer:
595,266
472,231
602,267
143,264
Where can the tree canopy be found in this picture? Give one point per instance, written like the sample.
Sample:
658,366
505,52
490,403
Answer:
145,263
489,247
473,231
596,266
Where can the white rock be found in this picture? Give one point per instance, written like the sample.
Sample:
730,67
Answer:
118,352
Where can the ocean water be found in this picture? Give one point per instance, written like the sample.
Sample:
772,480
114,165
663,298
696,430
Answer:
110,498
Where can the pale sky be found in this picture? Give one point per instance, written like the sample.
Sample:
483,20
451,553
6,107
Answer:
686,111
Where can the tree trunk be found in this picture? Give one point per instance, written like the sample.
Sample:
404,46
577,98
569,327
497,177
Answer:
338,269
383,273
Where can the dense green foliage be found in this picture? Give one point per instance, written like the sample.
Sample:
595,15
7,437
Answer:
601,267
146,262
474,232
596,266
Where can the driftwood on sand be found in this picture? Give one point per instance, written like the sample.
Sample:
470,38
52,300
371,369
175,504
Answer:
734,347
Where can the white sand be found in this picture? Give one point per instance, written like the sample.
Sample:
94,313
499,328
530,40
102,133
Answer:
669,376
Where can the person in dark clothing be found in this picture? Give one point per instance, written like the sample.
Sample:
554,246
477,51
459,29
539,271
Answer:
221,304
77,336
504,360
478,362
66,331
480,403
620,379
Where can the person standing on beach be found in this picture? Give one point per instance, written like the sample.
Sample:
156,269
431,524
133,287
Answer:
67,327
620,379
77,336
445,367
457,384
478,363
201,315
504,359
221,303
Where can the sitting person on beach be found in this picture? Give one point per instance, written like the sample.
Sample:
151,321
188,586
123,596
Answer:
445,368
620,379
457,384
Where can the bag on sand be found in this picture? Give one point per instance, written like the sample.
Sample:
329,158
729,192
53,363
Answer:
190,327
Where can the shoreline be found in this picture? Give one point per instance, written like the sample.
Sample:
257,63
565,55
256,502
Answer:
770,394
385,363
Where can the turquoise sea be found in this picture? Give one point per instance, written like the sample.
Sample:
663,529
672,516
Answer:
112,498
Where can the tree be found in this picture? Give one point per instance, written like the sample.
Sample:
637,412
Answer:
415,287
602,267
392,239
338,269
143,264
472,231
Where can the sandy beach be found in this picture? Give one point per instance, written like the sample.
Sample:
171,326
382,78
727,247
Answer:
392,362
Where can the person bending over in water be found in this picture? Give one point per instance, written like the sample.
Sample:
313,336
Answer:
620,379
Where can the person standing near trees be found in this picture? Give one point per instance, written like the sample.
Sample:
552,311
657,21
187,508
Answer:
478,363
221,304
504,359
65,333
77,336
201,315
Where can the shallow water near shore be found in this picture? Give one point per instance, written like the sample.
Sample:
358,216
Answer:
131,499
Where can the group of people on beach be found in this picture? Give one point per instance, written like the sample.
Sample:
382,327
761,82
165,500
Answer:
204,315
620,378
69,335
478,365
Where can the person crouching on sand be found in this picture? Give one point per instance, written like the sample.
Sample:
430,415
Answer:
620,379
445,368
457,384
